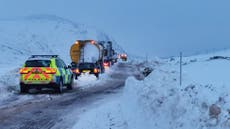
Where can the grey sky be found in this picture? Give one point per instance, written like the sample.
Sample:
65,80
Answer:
156,27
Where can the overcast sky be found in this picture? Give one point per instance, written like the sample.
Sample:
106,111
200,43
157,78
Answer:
153,27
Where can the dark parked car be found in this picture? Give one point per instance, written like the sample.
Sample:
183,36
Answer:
86,67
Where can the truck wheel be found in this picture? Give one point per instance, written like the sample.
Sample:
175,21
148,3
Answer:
23,89
97,76
60,87
76,77
70,85
39,88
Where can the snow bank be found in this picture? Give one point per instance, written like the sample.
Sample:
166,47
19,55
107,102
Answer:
159,102
8,83
147,104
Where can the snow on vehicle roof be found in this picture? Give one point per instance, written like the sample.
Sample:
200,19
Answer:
39,58
42,57
33,56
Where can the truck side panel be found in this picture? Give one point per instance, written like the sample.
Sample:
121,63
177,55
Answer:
75,52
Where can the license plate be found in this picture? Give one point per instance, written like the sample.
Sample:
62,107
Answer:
86,71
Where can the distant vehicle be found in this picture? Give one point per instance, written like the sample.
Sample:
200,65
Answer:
106,64
109,54
45,71
123,57
87,67
78,54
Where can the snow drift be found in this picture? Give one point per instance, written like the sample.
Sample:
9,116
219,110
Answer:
201,102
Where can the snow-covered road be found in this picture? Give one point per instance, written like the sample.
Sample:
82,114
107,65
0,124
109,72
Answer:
49,110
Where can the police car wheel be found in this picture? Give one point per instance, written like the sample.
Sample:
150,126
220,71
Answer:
60,87
70,86
23,89
76,77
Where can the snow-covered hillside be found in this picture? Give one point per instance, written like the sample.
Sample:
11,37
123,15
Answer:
42,34
159,102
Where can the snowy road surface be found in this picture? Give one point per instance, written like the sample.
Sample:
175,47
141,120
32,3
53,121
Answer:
50,110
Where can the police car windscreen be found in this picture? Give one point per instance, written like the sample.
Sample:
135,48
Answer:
38,63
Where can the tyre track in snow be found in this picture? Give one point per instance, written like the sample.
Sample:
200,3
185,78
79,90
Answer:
48,112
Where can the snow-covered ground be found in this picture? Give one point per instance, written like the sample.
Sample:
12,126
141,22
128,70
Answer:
159,102
107,116
89,80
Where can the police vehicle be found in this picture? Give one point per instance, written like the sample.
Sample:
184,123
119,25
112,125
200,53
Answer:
45,71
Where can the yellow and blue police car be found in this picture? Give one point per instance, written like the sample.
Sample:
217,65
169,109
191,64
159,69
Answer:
45,71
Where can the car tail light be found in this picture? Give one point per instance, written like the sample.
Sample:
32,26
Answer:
106,64
51,71
24,71
92,42
123,55
77,71
95,70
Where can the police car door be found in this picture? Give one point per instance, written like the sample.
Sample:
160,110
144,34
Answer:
61,70
67,73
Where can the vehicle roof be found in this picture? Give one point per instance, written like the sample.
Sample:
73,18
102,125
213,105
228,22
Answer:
42,57
86,63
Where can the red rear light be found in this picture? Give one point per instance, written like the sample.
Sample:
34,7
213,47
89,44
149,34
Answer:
95,70
106,64
77,71
51,70
123,55
92,42
24,71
